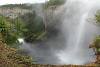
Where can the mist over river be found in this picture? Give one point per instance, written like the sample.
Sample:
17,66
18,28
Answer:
78,29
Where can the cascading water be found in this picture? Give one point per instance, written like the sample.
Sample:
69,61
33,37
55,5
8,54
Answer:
79,33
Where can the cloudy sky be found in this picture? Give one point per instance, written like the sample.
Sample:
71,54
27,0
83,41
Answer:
3,2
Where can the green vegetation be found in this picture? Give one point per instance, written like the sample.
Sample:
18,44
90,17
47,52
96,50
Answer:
11,30
30,26
97,17
97,40
3,26
54,3
35,27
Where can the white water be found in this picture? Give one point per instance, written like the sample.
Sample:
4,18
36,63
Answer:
78,32
76,29
21,40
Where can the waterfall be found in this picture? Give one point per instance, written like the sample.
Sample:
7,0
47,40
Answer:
78,31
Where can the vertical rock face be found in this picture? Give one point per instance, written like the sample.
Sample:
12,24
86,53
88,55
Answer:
13,12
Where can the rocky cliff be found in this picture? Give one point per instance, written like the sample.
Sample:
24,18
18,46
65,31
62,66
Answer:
13,12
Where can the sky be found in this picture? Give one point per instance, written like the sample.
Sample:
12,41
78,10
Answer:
3,2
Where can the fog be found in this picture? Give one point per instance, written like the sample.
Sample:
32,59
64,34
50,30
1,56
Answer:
77,30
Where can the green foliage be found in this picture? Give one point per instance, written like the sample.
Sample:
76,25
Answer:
42,34
19,26
99,50
3,25
54,3
11,30
34,25
11,39
97,40
97,17
29,26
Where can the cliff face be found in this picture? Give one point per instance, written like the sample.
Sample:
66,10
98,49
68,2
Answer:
13,12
